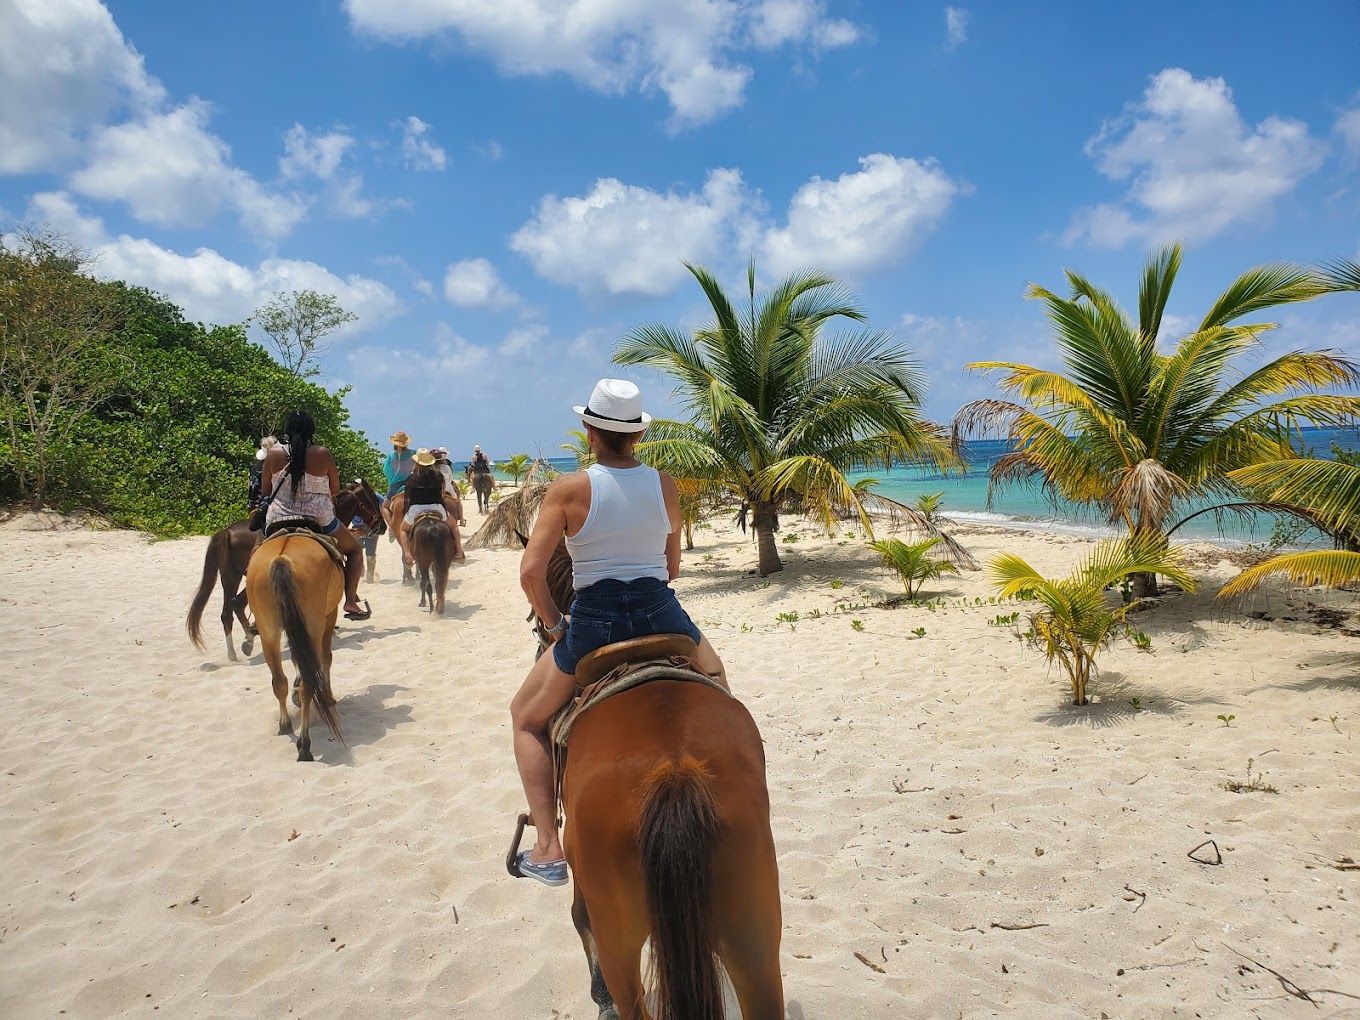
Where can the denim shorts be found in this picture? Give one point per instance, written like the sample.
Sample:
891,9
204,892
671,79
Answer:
610,611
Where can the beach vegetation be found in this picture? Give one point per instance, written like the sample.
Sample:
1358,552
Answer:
579,448
1076,618
1132,425
857,625
912,562
1252,784
57,363
516,466
928,505
780,409
297,323
1323,493
1226,719
919,632
157,423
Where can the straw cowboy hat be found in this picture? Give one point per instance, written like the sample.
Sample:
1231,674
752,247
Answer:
424,457
615,405
401,440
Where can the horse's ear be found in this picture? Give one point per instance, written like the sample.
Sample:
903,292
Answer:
523,538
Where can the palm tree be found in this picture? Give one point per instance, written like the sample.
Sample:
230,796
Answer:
1133,431
928,505
1326,493
1076,620
780,412
912,562
517,465
579,447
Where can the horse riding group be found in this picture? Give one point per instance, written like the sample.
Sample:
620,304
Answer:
625,723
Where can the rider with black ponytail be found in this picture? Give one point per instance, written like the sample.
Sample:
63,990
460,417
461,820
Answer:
305,481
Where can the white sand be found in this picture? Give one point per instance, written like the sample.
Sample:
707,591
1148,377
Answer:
162,850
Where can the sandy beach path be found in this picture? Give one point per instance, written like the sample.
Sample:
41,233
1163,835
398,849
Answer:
954,839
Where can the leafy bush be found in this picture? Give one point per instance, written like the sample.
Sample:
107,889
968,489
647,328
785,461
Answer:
170,449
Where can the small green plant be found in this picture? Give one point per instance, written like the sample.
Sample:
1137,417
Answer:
912,562
790,538
1136,703
1227,719
746,628
928,505
858,625
1140,640
815,614
919,632
1253,784
1332,719
1004,619
791,618
837,584
1076,620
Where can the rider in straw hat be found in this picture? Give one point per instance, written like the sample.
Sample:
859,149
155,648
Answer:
621,520
398,464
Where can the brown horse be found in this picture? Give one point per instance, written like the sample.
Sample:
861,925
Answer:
668,835
295,589
432,549
228,555
483,483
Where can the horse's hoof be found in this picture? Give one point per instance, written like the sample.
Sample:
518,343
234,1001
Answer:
285,729
305,751
247,647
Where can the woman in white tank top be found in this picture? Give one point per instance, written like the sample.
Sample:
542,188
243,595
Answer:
621,520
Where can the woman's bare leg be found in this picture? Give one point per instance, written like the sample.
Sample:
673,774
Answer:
544,691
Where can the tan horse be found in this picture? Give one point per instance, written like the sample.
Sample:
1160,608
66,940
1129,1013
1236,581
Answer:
668,835
295,589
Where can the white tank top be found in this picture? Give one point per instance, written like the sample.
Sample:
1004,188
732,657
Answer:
624,536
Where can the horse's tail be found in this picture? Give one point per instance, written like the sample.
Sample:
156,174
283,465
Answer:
443,556
211,560
283,586
676,833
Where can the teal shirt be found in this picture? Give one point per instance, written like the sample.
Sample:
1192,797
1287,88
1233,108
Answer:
397,467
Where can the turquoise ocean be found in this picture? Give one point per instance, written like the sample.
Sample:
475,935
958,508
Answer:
966,496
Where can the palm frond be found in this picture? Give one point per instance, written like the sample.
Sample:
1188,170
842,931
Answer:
1158,277
1330,567
514,515
1341,274
1263,287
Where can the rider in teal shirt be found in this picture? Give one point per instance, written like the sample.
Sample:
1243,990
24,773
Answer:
397,467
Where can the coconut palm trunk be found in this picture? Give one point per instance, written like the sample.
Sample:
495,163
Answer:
766,522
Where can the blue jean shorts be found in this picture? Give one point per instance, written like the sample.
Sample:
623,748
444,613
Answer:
610,611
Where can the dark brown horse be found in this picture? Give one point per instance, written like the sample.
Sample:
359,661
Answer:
432,549
668,836
483,483
228,556
295,589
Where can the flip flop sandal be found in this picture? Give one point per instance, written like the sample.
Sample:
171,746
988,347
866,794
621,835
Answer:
553,873
364,615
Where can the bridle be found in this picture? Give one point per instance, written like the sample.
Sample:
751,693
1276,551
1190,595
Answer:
367,508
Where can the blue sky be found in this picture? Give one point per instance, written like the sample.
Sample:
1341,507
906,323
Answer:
500,189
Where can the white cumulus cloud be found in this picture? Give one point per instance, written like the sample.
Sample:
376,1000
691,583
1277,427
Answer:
418,150
955,27
620,239
170,169
1193,166
64,68
864,220
474,283
208,285
307,153
682,48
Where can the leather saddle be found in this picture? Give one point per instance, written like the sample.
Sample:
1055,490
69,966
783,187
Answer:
427,515
304,527
620,667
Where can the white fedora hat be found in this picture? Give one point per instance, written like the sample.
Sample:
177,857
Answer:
615,405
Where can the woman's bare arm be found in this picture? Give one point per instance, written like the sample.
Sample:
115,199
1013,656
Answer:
533,565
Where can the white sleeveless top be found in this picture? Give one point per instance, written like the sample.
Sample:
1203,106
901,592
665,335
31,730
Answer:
624,536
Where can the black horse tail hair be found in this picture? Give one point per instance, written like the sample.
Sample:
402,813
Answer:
283,586
211,560
676,832
443,556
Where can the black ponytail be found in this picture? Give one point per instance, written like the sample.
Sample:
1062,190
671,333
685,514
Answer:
300,431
